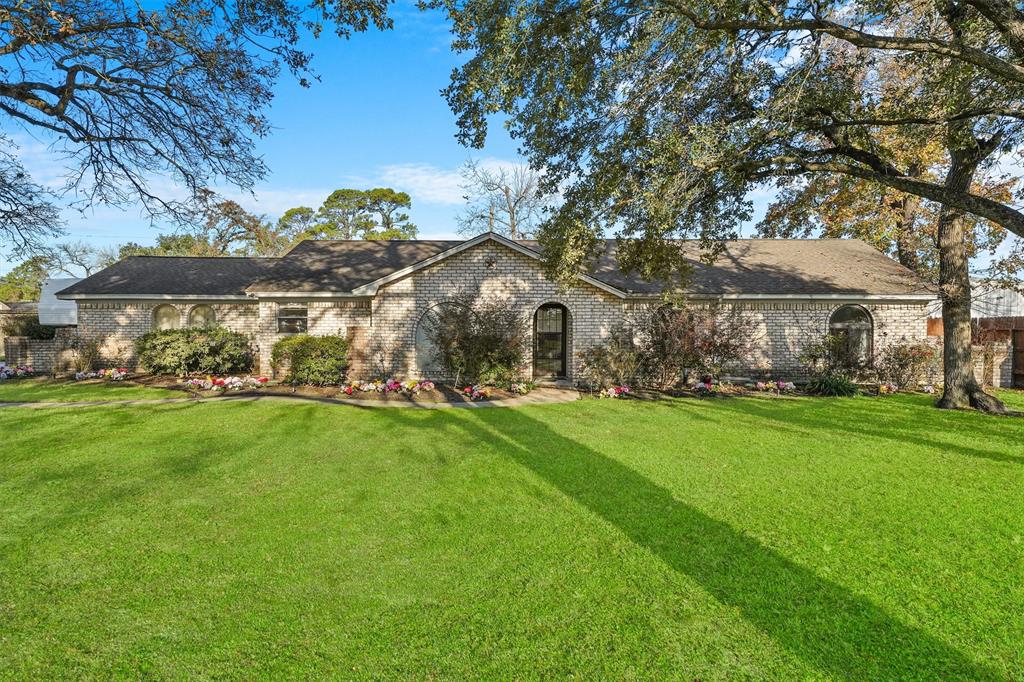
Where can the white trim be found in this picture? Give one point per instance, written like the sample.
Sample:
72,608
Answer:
303,294
916,298
371,288
154,297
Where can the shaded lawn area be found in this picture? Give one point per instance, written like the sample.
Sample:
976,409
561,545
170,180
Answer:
750,537
43,389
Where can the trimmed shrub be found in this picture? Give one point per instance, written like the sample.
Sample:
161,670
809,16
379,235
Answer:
195,351
315,360
28,325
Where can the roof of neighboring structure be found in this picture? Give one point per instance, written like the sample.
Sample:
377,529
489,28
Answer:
18,307
749,267
173,276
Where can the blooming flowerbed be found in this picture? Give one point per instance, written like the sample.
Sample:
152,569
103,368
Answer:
615,392
113,374
232,383
775,386
477,392
389,386
9,372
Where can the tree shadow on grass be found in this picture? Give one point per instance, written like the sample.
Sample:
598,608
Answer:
916,425
820,621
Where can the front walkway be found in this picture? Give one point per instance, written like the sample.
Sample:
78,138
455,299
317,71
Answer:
538,396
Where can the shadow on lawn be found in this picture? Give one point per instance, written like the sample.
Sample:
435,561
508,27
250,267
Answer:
819,621
890,419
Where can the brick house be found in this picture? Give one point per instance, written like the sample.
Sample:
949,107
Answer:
377,292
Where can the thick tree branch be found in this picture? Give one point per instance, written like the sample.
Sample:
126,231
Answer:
965,53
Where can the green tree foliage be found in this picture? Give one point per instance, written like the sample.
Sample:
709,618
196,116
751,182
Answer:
655,120
25,280
377,213
176,89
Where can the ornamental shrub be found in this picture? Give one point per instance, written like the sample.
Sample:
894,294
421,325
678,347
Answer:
315,360
703,338
214,350
616,362
28,325
904,364
833,385
478,339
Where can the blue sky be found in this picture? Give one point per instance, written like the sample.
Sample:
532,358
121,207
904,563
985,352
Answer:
376,118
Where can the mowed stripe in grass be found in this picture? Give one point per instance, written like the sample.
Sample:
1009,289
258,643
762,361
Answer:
779,538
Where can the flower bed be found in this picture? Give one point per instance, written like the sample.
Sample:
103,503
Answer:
114,374
615,392
232,383
14,372
389,386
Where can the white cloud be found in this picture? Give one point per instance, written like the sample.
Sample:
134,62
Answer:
424,182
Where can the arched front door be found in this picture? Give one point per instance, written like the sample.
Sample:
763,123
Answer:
549,341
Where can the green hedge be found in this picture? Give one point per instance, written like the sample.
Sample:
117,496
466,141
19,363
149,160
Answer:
28,325
316,360
195,351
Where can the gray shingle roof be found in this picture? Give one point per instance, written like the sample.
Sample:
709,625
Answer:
174,276
338,266
748,266
780,267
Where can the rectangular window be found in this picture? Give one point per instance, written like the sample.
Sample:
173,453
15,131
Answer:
291,320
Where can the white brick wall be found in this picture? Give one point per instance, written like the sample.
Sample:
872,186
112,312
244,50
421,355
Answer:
384,328
489,271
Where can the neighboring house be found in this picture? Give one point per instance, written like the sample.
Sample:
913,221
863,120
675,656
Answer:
377,292
997,316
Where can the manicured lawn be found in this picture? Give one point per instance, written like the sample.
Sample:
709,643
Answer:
867,538
41,389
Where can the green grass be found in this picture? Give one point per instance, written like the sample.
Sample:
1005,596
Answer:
863,538
42,389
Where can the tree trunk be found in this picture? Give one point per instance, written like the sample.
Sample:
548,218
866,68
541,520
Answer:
906,242
961,387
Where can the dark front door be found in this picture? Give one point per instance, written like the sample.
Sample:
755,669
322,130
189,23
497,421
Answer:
1018,358
549,342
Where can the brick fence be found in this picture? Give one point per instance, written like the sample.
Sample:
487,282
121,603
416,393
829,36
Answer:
43,355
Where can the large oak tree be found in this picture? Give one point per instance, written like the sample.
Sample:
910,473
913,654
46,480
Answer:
148,106
655,119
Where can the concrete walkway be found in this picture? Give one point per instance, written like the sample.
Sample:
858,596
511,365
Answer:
538,396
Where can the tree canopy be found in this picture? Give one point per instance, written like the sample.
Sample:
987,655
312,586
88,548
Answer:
132,96
377,213
655,120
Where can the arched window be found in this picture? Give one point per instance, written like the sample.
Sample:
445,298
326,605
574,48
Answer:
852,326
202,316
166,317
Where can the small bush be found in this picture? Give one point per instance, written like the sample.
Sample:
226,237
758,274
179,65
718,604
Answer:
833,385
195,351
87,354
616,362
904,364
314,360
28,325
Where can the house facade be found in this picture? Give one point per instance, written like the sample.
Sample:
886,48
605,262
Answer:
377,294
